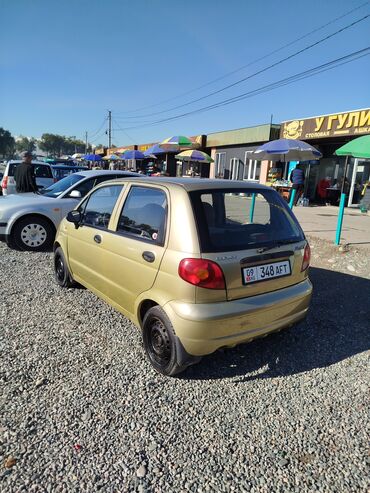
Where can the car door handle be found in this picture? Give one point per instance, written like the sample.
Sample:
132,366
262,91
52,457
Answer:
97,238
148,256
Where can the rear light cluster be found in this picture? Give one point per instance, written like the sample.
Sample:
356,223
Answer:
4,183
306,258
202,273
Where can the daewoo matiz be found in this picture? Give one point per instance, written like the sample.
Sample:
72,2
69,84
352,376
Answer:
197,264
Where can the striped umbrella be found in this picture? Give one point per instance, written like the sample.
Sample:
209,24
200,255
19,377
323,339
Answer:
194,155
176,141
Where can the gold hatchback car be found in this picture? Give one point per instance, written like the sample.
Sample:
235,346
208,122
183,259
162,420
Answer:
197,264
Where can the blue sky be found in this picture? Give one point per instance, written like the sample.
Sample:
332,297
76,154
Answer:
64,63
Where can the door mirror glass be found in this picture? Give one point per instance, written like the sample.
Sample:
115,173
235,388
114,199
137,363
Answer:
75,194
74,217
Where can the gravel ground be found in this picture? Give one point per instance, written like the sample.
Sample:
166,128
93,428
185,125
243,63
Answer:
82,410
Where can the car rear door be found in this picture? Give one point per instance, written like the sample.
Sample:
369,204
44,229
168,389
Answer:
44,175
254,238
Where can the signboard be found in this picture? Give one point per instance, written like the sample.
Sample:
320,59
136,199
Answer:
144,147
336,125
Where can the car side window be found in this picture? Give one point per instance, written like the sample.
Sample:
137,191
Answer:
42,171
144,215
99,206
87,185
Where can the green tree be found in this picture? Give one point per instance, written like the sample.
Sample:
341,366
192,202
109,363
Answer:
7,143
25,144
52,144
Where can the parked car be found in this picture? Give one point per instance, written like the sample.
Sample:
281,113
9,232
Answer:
62,170
197,264
43,173
29,220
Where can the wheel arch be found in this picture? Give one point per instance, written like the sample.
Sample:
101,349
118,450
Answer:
33,214
144,306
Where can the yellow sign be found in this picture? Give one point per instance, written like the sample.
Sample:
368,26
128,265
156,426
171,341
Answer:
351,123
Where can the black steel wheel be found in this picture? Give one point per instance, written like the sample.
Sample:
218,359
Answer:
159,342
62,275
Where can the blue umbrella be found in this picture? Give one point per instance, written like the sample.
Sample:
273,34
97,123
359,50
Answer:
285,150
156,149
92,157
133,155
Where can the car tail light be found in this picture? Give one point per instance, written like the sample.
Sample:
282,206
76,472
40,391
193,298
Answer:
306,258
4,183
202,273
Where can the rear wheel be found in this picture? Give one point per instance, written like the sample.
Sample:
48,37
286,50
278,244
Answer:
159,342
33,233
62,275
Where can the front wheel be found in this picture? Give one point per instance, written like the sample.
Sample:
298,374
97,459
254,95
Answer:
160,343
62,275
33,233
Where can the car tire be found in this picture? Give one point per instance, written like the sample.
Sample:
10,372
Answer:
160,342
62,274
33,233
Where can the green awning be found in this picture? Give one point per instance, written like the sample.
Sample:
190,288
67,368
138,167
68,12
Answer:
359,148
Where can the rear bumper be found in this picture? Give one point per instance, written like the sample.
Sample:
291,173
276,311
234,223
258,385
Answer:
204,328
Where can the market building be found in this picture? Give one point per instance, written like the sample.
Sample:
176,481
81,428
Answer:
327,133
229,150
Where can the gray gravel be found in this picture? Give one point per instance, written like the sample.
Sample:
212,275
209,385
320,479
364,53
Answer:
82,410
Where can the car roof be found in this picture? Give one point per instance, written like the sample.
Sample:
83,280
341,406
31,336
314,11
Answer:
68,166
192,184
18,161
97,172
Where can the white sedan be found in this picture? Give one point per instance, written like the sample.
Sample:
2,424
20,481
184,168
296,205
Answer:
29,221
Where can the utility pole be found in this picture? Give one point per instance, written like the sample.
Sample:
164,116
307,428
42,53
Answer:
109,129
86,142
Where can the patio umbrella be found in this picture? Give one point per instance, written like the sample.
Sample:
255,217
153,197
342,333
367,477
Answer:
157,149
92,157
359,148
111,157
132,155
76,155
194,155
285,150
177,141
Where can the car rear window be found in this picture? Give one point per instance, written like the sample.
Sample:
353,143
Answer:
230,220
41,170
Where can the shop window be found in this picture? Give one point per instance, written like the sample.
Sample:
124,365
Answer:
252,169
220,163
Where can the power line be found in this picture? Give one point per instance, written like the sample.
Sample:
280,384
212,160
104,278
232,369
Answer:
288,80
92,134
119,128
279,62
250,63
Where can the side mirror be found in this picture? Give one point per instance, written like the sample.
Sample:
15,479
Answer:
75,194
74,217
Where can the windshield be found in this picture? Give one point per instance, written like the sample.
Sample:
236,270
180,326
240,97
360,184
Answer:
60,186
230,220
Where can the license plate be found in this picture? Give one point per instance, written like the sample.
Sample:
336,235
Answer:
266,271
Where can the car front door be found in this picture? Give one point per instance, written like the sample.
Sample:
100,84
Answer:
69,203
137,246
88,245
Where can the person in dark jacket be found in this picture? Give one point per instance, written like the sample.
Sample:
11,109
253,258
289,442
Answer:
24,175
297,179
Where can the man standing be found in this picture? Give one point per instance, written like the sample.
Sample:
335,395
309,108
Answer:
24,175
297,179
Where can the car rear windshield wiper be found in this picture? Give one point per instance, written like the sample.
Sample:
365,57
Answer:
276,245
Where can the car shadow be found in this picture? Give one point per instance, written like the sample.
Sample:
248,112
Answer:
336,328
